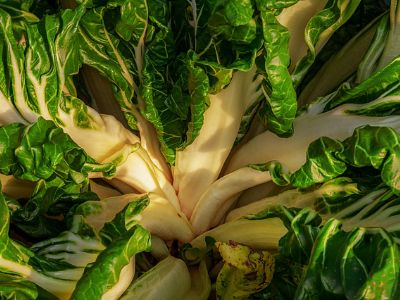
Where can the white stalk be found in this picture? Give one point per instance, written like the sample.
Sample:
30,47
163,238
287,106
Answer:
199,164
125,278
335,124
221,191
159,217
295,19
257,234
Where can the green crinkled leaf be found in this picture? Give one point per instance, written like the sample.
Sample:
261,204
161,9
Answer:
299,240
13,60
173,86
274,4
40,58
10,250
133,19
234,21
13,287
105,272
348,37
386,106
14,256
20,9
287,276
10,137
93,225
341,192
279,174
294,251
369,146
173,89
44,154
318,30
239,12
371,88
31,8
221,32
124,221
280,107
177,115
377,147
57,259
370,60
333,261
356,264
322,163
46,44
100,49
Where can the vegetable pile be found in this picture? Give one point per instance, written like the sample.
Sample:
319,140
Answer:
200,149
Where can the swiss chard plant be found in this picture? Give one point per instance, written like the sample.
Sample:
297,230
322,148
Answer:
193,149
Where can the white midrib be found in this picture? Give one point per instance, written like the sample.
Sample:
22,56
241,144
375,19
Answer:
20,100
125,71
8,113
125,278
61,288
40,88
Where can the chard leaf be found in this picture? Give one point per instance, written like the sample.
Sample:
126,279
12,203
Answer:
302,232
234,22
376,147
100,50
37,8
92,226
331,261
356,264
12,72
124,221
19,9
103,237
213,28
44,154
369,146
319,29
279,174
20,261
385,106
294,251
37,62
370,60
133,20
374,86
15,288
321,164
50,43
351,40
286,279
281,106
176,111
110,263
392,49
9,250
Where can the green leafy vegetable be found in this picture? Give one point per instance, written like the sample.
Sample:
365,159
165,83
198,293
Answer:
191,149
